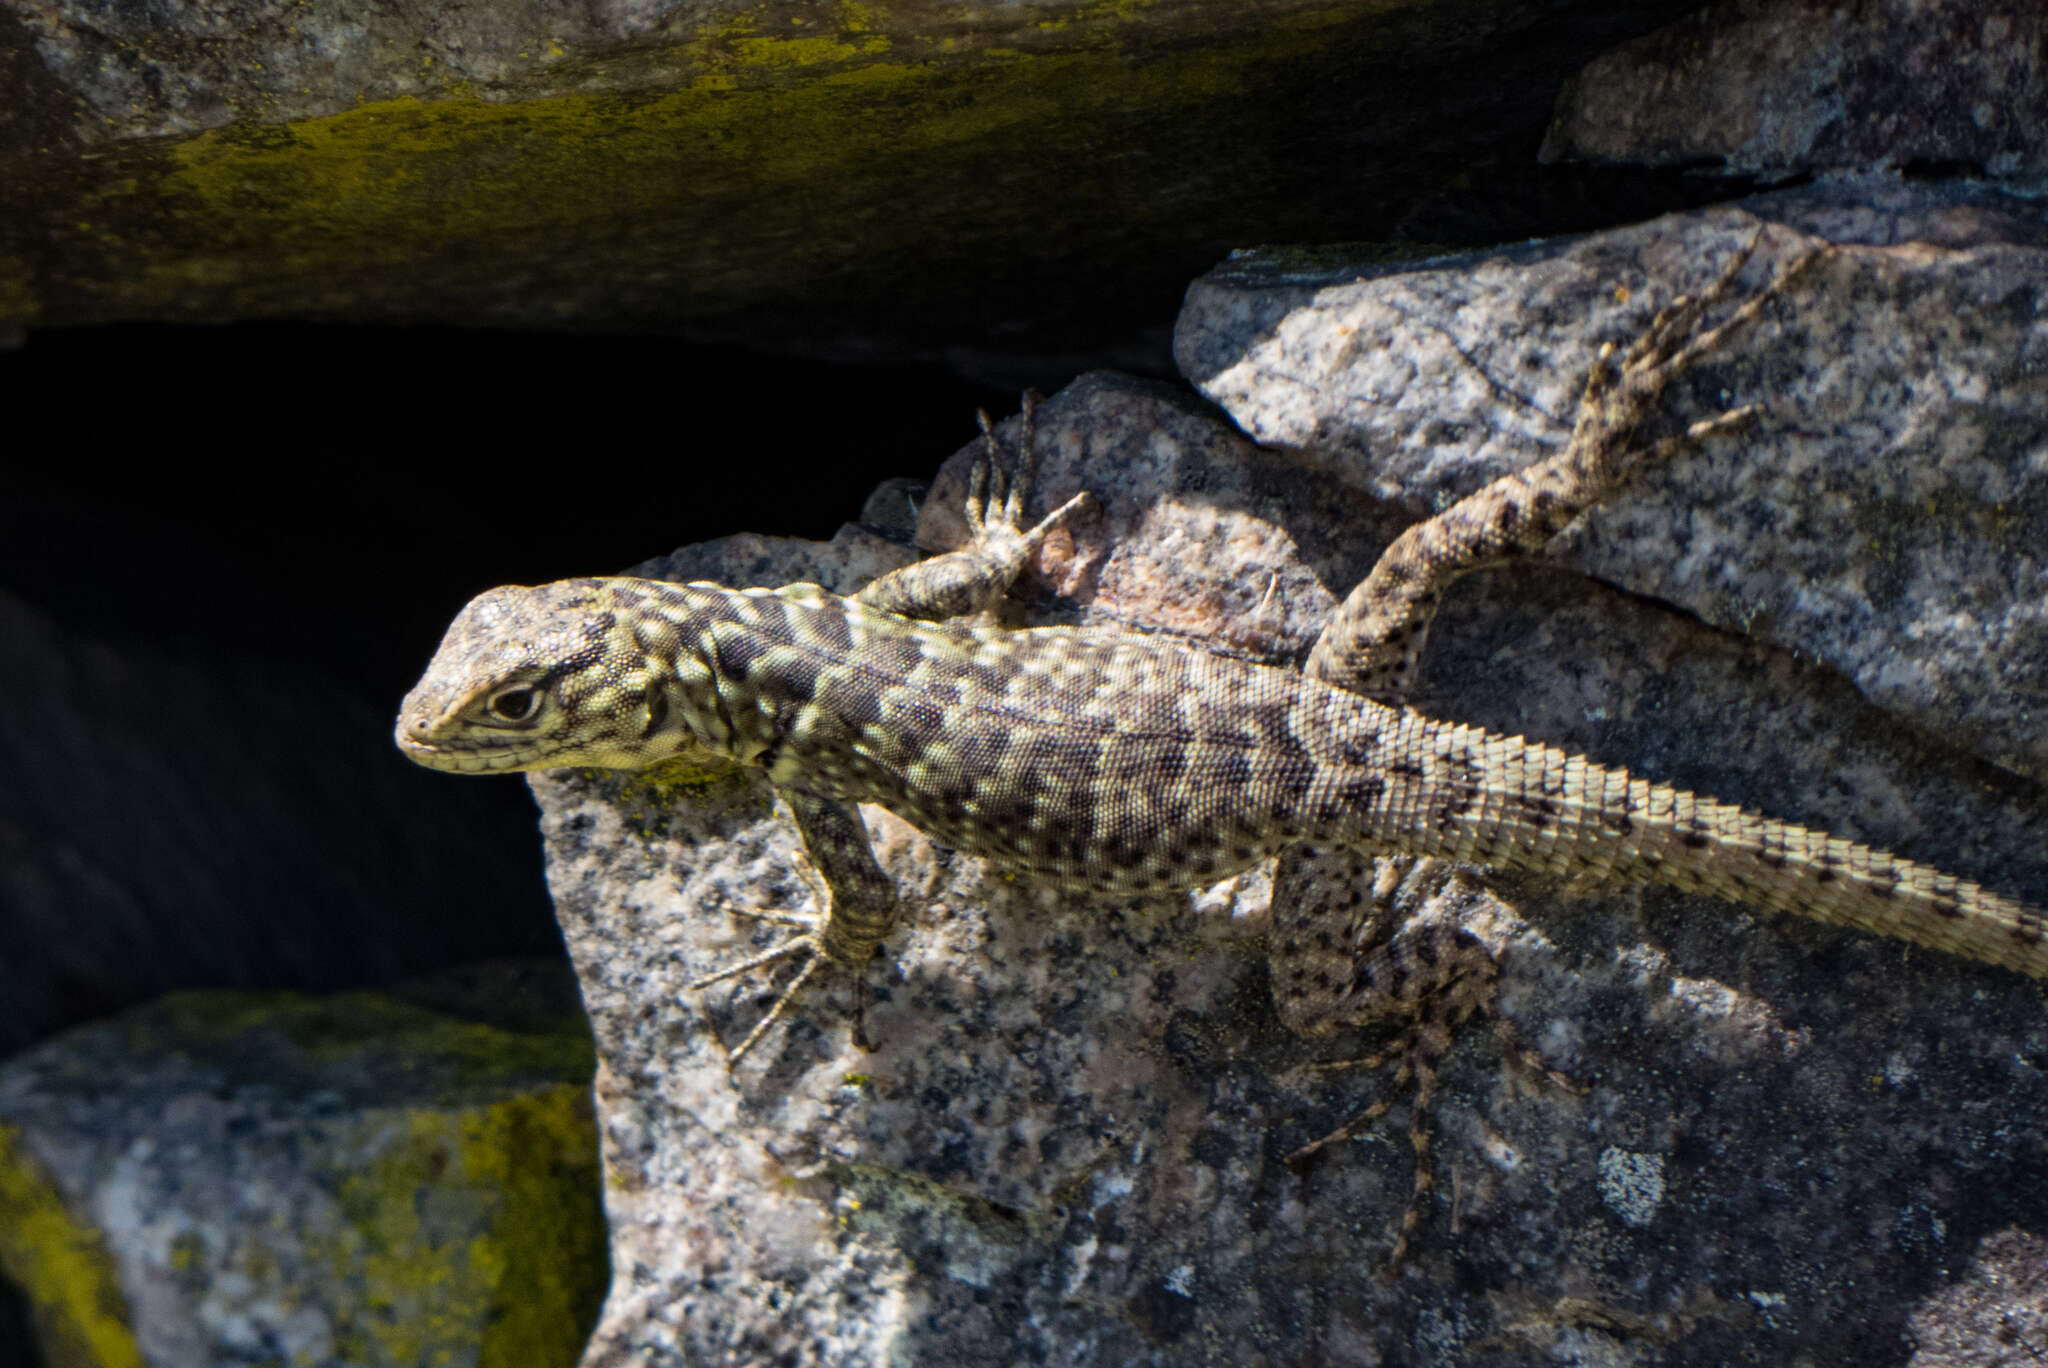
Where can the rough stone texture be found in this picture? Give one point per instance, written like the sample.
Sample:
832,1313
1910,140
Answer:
867,179
366,1179
174,814
1996,1317
1067,1147
1776,88
1888,514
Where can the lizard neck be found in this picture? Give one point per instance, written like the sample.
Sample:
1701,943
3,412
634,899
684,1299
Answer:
748,674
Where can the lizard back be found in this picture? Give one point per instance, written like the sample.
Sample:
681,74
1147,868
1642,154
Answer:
1129,764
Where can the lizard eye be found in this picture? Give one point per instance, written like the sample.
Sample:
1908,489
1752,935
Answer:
516,704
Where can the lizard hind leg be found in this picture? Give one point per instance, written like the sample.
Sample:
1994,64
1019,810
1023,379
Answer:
1436,977
1433,976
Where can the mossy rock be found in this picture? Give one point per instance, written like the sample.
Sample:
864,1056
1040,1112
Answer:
299,1180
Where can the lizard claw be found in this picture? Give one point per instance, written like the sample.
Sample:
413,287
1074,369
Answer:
1463,983
974,578
809,944
1674,339
997,497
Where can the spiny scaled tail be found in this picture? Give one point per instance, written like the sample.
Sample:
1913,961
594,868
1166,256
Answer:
1542,808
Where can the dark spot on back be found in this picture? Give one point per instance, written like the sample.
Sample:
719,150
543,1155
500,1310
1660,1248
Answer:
737,651
1269,721
827,627
858,700
1169,763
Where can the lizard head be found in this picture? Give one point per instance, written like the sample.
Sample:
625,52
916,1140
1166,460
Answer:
542,678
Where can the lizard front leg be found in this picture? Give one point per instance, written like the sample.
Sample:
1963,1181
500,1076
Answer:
972,579
860,907
862,904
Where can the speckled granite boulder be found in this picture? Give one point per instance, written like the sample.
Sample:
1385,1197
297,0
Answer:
1888,516
1068,1146
403,1179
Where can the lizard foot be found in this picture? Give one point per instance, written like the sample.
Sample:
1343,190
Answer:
973,579
998,492
1463,981
810,945
1617,396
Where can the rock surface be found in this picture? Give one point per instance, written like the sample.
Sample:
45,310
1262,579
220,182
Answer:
1764,86
1068,1144
1887,515
888,179
390,1179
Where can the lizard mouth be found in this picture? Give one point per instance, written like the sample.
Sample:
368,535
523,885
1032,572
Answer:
453,760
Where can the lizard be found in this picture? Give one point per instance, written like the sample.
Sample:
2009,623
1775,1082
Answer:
1118,764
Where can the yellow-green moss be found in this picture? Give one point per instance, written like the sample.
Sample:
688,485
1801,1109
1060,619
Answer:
721,164
18,303
672,781
647,799
339,1028
476,1237
62,1267
549,1241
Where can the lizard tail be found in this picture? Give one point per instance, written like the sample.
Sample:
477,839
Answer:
1501,800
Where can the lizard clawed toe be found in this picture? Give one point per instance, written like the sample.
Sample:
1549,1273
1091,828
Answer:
999,492
1415,1054
1461,982
809,944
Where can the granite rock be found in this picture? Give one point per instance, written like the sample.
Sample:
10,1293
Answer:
359,1178
1779,89
1886,514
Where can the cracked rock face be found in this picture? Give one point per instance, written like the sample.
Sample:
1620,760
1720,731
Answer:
1068,1144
